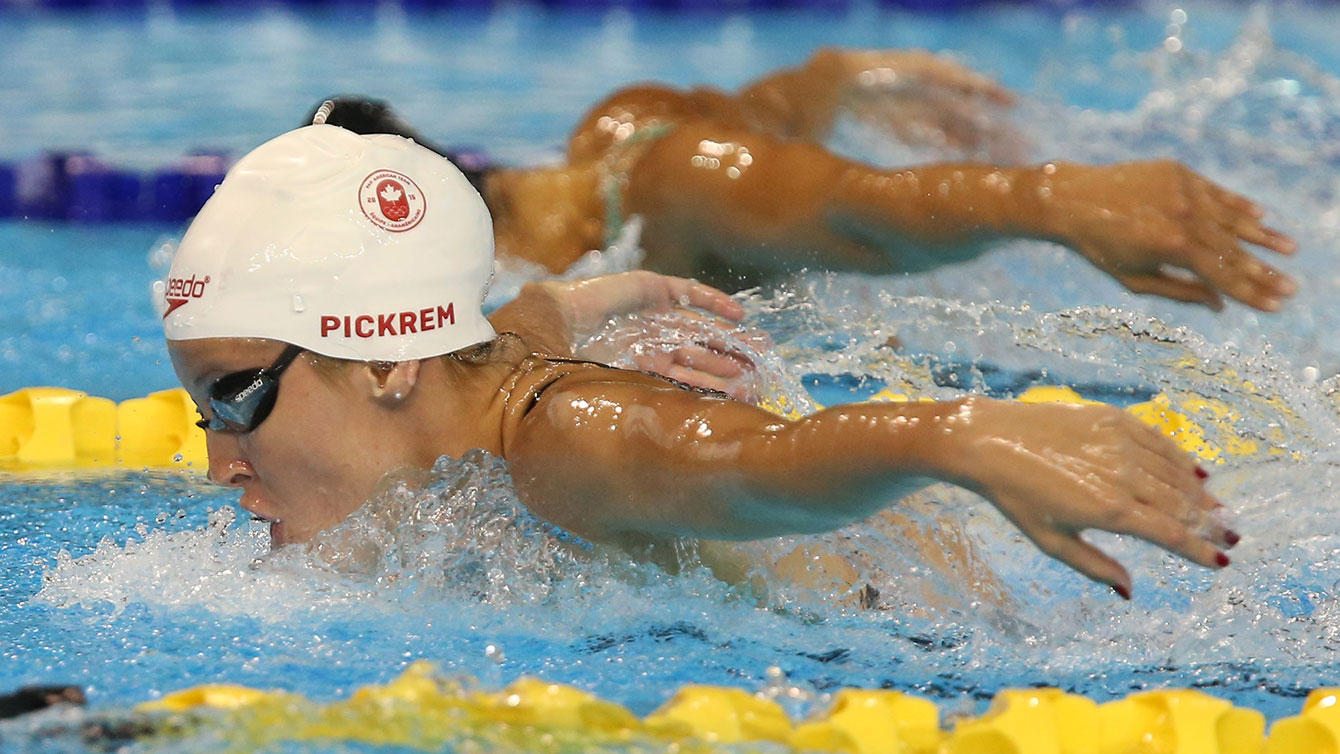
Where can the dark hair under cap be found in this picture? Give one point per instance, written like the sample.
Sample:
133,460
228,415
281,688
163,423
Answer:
369,116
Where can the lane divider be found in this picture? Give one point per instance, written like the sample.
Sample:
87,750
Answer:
423,709
51,428
79,187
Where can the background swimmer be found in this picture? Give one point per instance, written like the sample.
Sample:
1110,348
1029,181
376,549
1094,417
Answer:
322,222
735,187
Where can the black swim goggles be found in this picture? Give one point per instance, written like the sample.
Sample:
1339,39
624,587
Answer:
240,401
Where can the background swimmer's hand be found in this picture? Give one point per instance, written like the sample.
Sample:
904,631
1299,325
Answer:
1056,470
593,302
1158,227
892,67
929,100
702,345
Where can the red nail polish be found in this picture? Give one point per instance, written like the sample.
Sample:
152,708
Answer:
1122,591
1232,538
1202,473
1221,559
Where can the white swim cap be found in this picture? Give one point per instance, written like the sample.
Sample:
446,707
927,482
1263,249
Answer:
360,247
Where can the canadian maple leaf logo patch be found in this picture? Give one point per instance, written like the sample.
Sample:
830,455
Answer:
391,200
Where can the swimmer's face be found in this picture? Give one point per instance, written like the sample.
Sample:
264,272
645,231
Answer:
318,455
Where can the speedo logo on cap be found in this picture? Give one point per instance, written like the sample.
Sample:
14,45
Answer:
391,200
180,291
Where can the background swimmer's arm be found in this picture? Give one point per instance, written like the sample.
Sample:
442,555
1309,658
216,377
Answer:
733,201
931,95
616,458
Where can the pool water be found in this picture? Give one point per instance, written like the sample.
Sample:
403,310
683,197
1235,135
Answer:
134,584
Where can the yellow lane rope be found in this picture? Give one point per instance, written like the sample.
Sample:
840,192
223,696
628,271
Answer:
53,429
423,710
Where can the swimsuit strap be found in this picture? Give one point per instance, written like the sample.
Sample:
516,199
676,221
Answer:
614,169
677,383
541,388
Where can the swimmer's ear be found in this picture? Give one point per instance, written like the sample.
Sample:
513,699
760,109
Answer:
391,382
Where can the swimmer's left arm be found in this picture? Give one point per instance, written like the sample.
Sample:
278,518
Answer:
614,458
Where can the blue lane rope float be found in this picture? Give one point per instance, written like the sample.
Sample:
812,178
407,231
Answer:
79,187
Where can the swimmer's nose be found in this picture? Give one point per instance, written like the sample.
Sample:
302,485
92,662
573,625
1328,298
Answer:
231,473
227,465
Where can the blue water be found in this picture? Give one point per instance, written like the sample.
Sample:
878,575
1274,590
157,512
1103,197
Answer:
133,613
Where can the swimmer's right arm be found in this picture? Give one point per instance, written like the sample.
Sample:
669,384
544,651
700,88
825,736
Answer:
612,460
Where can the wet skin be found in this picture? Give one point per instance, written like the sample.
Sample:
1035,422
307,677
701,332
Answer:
331,437
619,457
329,440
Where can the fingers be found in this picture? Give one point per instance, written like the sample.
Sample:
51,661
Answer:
953,75
1159,528
1159,443
1253,232
1088,560
693,293
1181,480
1239,217
1192,509
1237,202
1212,246
1223,262
1162,284
713,362
740,390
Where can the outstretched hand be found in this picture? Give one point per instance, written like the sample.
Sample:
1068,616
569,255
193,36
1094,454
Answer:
1159,227
701,347
1056,470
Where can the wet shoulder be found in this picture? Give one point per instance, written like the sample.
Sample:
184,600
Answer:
537,374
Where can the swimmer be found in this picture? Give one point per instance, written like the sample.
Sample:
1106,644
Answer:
334,333
736,188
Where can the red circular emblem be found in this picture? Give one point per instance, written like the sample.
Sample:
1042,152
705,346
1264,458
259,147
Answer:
391,200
